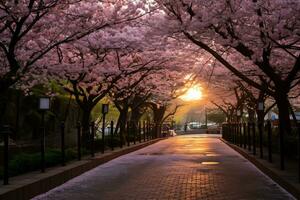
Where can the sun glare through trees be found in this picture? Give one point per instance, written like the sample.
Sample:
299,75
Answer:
193,93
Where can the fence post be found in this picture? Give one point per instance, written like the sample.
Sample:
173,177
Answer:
260,130
298,126
223,134
140,132
281,144
254,138
63,155
78,141
128,129
160,131
103,134
5,132
144,130
269,128
244,135
121,139
134,129
240,135
43,143
231,133
92,125
249,135
147,130
153,134
234,134
112,135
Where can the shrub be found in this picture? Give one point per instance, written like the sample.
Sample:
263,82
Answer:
26,162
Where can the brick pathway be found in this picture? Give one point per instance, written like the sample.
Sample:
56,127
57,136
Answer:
184,168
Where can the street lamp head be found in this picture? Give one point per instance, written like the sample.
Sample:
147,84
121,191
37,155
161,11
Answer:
260,106
104,108
44,103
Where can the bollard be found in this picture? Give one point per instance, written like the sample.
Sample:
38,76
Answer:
260,130
78,126
63,155
249,136
112,135
92,126
43,143
269,128
254,138
5,132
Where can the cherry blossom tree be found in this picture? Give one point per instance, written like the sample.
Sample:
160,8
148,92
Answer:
258,36
31,30
128,92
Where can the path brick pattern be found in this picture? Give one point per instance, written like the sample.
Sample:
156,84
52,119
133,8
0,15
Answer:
174,170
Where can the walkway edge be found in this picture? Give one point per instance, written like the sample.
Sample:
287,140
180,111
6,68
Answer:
270,173
50,179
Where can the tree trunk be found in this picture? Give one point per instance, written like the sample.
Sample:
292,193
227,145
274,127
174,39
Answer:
251,114
123,118
158,115
136,115
284,122
85,122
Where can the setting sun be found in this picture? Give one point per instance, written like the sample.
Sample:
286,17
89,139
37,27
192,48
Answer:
193,93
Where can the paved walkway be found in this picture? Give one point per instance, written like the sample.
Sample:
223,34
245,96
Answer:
184,168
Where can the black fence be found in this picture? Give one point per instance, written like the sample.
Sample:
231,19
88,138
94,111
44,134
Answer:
135,132
257,138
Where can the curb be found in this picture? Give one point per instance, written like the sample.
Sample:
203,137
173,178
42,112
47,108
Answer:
50,180
269,172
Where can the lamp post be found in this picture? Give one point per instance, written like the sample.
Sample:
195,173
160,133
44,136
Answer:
104,112
44,105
